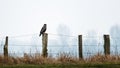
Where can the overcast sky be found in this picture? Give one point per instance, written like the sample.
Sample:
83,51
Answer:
80,16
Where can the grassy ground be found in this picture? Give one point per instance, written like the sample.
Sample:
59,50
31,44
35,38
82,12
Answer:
62,61
63,66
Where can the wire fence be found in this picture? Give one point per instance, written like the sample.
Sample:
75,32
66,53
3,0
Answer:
58,43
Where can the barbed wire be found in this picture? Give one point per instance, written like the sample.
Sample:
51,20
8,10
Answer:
38,35
84,36
56,45
41,45
61,35
26,35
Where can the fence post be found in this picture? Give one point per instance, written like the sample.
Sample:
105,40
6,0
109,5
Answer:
106,45
80,46
44,44
6,47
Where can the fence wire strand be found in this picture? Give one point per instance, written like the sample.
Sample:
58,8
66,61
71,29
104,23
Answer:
87,51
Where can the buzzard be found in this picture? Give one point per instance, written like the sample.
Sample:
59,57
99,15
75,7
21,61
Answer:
43,29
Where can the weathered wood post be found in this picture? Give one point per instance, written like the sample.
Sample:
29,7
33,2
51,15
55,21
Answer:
44,44
106,45
80,46
6,47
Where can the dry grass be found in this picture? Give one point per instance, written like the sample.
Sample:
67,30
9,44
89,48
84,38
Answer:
61,59
103,59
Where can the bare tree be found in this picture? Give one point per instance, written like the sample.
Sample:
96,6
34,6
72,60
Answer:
115,38
64,33
90,43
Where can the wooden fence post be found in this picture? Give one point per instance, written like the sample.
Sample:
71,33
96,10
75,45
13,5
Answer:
80,46
6,47
106,45
44,44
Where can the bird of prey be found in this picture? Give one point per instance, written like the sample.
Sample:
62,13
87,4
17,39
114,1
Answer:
44,28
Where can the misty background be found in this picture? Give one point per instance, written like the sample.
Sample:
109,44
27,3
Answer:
63,42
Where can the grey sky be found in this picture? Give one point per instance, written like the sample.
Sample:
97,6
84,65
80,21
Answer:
28,16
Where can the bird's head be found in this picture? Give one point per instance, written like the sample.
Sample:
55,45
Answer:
45,24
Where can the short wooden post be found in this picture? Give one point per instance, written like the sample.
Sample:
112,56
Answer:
106,45
80,46
44,44
6,47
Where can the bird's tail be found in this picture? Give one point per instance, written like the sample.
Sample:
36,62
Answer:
39,34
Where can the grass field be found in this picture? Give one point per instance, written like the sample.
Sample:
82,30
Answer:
63,66
62,61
